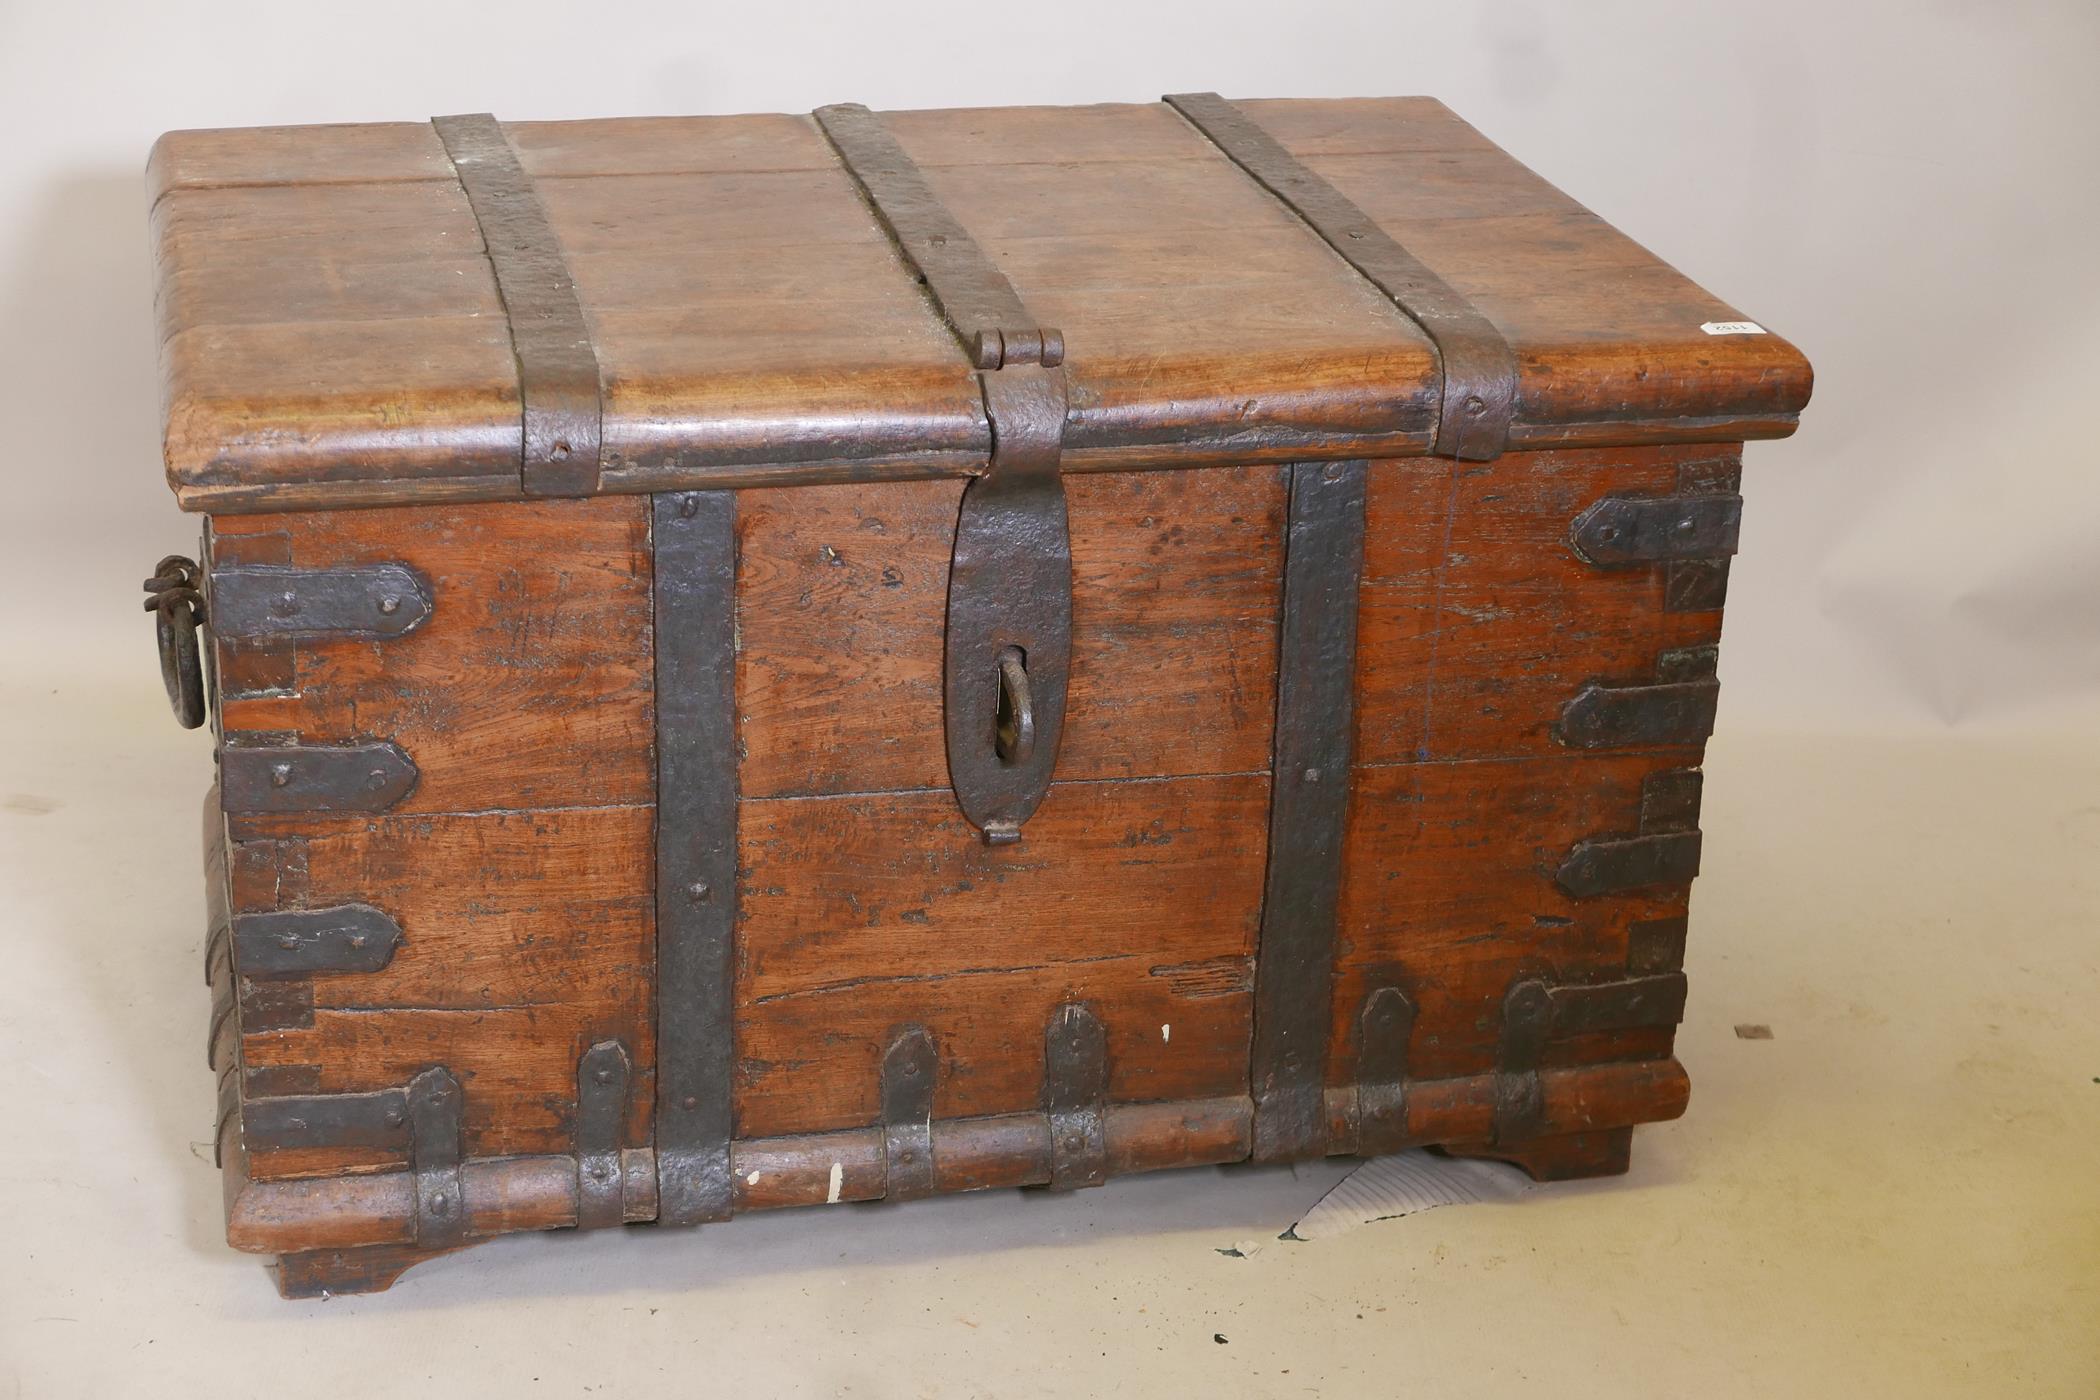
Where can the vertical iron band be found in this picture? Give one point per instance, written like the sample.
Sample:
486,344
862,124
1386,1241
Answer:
560,396
1009,631
1308,808
694,535
1479,371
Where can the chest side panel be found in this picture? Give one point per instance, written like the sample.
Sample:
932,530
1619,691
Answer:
512,876
1520,704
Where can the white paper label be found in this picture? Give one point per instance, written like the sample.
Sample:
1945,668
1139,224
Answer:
1731,328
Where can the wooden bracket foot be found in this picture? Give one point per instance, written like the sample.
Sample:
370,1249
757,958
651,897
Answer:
1568,1157
322,1273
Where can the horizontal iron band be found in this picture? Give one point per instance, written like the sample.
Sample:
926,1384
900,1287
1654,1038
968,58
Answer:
315,777
268,602
377,1119
303,942
1618,531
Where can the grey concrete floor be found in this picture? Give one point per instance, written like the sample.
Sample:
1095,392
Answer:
1898,1194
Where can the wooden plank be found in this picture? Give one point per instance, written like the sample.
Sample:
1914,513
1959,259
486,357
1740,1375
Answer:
1176,581
863,913
1200,319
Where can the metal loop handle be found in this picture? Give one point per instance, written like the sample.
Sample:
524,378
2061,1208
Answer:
178,611
1014,728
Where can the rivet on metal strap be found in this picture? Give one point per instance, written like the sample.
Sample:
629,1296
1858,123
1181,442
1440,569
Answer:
434,1154
1386,1029
378,1119
601,1107
304,942
315,778
268,602
1075,1088
696,822
1527,1024
561,397
1308,809
908,1071
1479,370
1623,531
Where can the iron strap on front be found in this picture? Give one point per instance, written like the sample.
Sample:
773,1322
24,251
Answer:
1479,372
1308,808
696,797
560,396
1009,635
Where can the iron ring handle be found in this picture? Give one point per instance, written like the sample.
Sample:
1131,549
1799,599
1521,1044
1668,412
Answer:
178,611
1014,729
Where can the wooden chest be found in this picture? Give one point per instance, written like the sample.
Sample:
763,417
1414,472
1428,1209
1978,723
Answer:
773,660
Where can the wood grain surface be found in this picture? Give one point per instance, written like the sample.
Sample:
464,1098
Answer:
754,324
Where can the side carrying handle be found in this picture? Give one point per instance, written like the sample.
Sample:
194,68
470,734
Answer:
178,612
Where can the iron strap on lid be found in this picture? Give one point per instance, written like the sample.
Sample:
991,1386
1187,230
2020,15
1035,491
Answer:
1480,373
560,396
1009,633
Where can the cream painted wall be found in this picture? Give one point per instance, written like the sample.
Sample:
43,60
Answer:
1911,192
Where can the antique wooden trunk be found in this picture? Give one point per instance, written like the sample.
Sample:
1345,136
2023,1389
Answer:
773,660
